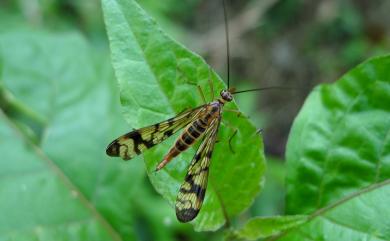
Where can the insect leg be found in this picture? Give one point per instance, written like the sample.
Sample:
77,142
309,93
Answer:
239,113
201,94
211,85
235,130
230,141
200,91
193,83
260,131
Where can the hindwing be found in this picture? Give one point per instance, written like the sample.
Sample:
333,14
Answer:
193,190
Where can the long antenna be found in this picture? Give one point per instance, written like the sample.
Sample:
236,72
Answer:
264,88
227,42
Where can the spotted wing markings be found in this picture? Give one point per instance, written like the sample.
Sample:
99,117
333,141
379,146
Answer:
135,142
193,190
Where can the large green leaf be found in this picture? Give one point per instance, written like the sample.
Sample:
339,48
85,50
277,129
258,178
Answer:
36,202
363,215
263,227
154,73
340,141
62,187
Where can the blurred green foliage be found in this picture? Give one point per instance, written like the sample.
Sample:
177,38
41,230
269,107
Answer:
60,107
339,142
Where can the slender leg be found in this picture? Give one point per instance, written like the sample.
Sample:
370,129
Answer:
193,83
239,113
235,130
259,131
200,91
201,94
211,85
230,141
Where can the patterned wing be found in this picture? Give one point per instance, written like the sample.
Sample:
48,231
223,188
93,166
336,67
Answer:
193,190
135,142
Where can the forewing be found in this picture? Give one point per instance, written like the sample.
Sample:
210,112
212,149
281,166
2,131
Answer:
135,142
193,190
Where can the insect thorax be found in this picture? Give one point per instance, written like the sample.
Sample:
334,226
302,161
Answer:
212,111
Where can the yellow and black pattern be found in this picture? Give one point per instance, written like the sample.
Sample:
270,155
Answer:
193,190
197,127
135,142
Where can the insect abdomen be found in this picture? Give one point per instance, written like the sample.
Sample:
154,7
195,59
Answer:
190,135
186,139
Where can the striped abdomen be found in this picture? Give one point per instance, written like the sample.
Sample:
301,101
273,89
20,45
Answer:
191,134
185,140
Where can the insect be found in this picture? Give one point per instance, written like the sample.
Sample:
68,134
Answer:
199,124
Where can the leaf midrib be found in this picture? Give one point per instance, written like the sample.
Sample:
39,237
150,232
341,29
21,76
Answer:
333,221
66,181
320,212
332,141
145,61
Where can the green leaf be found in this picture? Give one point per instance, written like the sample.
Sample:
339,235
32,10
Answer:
263,227
270,202
62,187
340,141
361,216
154,73
37,204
